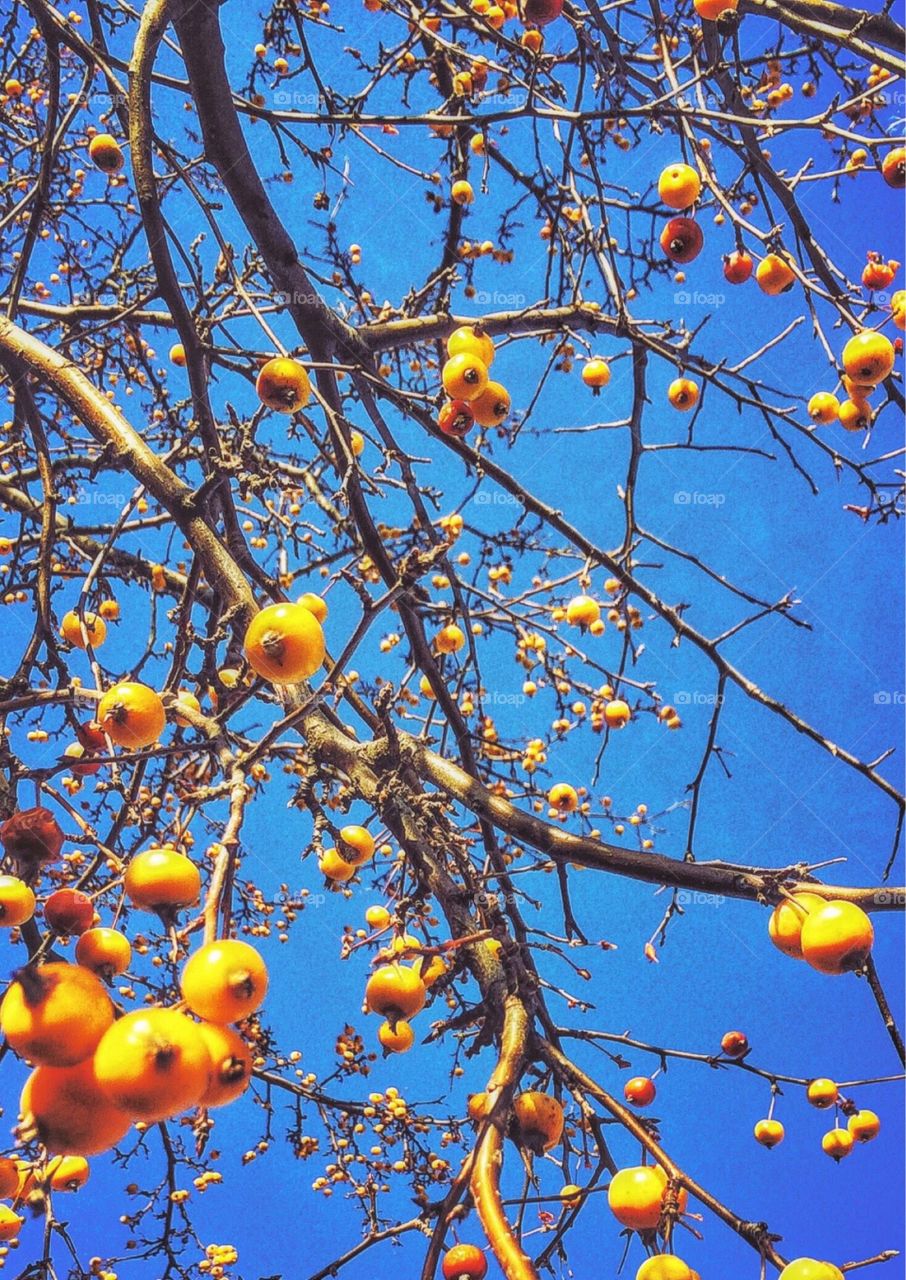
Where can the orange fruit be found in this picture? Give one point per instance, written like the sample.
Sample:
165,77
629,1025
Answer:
683,394
224,981
283,385
464,1262
640,1091
10,1223
538,1119
162,880
335,867
596,374
315,604
284,643
396,991
105,952
70,1112
837,1144
450,639
491,408
153,1063
132,714
563,797
55,1014
231,1064
714,9
71,629
823,408
357,843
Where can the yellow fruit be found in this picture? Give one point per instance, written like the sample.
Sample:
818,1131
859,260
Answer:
868,357
10,1223
284,643
864,1126
283,385
162,880
224,981
787,919
68,1173
95,629
823,408
679,186
17,902
822,1093
664,1266
837,938
396,1037
396,991
153,1063
231,1064
469,340
838,1143
769,1133
582,611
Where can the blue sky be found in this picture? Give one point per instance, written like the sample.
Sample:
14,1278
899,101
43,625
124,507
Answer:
750,518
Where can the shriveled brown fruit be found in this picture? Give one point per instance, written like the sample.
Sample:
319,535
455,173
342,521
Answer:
32,836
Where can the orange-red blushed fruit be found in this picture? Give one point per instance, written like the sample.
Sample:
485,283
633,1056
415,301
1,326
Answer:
893,167
464,1262
682,239
734,1044
640,1091
69,911
738,266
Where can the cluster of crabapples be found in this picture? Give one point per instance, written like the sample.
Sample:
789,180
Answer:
473,397
822,1093
398,991
867,359
96,1069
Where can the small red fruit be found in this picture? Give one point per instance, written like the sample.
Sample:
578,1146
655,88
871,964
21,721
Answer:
464,1262
734,1044
541,12
682,239
640,1091
737,266
69,911
456,418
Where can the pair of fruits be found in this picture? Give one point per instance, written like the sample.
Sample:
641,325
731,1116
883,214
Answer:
473,396
868,358
832,936
355,847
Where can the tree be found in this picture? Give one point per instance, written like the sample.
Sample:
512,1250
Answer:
289,572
